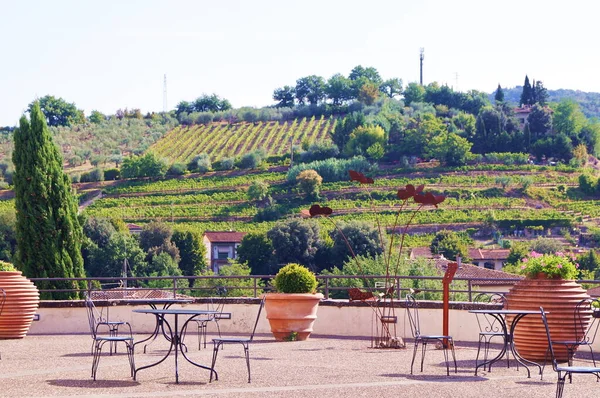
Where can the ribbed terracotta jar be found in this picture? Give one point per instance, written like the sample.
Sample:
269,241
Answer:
559,298
292,312
22,300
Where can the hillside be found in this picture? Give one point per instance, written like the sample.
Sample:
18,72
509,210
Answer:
224,140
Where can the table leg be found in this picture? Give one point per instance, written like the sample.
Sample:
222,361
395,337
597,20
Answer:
163,320
513,349
184,327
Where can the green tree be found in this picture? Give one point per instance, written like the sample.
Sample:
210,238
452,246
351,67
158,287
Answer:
360,237
148,165
343,129
414,92
285,96
546,245
58,112
451,245
338,89
108,260
256,250
362,138
450,149
211,103
526,95
49,235
192,252
391,87
540,93
539,120
310,89
499,97
295,241
97,117
568,118
518,251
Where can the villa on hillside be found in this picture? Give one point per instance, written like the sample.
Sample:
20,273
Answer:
522,113
221,246
484,258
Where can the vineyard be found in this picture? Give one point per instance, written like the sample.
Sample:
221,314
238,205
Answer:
218,201
224,140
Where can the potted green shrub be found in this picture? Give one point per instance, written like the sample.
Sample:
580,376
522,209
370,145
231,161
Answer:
292,311
22,300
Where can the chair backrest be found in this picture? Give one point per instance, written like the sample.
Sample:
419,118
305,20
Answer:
91,313
412,310
486,322
262,304
94,315
550,347
586,330
217,304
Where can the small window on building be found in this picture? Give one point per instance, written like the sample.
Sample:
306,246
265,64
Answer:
489,265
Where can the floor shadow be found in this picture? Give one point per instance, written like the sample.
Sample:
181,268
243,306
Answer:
92,383
453,378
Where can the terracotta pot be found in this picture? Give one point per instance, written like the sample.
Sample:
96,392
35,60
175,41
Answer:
292,312
559,298
22,300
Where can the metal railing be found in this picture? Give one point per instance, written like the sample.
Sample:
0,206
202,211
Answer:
332,286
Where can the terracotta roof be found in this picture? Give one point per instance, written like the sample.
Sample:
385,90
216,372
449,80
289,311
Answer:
422,252
224,236
471,271
489,254
130,294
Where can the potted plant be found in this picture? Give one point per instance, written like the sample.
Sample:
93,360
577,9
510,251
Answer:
550,283
22,300
292,311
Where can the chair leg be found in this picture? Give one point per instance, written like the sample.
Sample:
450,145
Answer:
414,356
247,353
560,384
451,342
96,357
423,349
214,361
479,350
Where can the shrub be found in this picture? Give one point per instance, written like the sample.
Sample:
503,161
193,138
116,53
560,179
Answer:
227,164
258,190
112,174
294,278
4,266
310,183
251,160
319,151
200,163
76,178
331,169
177,169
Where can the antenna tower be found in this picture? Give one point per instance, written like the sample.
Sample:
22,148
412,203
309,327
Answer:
165,94
421,58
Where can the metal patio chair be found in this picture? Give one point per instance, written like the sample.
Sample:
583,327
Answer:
412,309
564,371
244,341
214,304
489,326
104,332
585,329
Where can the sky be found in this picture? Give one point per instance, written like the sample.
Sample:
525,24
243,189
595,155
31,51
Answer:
111,54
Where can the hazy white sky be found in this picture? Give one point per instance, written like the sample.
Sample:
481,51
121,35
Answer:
113,54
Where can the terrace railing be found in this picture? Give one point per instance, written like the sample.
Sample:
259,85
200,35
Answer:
332,286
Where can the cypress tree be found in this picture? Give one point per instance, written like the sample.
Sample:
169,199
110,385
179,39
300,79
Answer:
526,95
499,97
49,234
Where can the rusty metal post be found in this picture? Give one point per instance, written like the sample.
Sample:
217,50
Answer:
448,276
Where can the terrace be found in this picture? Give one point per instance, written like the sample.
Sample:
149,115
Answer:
325,365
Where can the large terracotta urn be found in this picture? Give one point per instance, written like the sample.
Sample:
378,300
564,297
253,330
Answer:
22,300
292,315
559,298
